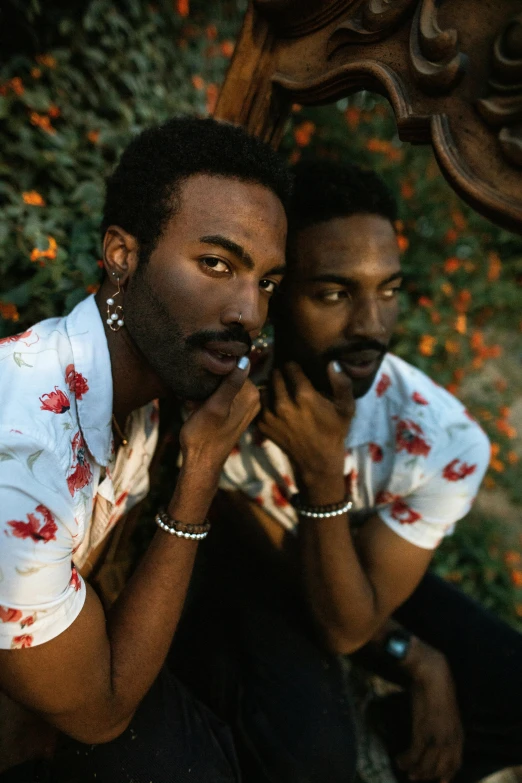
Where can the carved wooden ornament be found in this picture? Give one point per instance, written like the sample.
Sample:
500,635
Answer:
451,69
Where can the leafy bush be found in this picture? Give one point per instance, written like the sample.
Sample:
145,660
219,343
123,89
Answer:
83,78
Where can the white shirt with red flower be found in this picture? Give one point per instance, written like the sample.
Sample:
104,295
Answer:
413,453
62,487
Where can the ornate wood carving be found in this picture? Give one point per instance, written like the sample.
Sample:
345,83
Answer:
451,69
503,108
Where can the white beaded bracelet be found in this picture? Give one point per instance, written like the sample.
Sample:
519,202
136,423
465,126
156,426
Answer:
180,533
322,512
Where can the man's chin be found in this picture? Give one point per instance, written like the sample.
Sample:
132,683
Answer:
194,387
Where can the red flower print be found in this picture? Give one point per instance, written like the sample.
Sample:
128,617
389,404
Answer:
279,496
29,620
384,497
9,615
376,453
19,642
403,513
383,385
75,579
57,401
408,437
419,399
16,337
81,470
76,382
35,529
453,473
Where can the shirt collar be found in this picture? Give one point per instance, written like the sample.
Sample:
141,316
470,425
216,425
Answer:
86,334
365,412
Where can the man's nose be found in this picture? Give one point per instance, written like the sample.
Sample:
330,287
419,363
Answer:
247,308
366,319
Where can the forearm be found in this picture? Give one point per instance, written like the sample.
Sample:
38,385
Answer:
339,592
142,623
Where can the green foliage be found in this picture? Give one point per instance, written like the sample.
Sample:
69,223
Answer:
100,71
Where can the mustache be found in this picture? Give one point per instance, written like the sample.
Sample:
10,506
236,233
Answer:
339,351
235,333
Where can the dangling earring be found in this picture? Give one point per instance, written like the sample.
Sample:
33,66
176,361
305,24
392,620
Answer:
115,319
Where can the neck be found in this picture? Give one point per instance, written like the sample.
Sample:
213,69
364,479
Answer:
134,382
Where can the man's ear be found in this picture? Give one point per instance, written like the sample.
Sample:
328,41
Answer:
120,254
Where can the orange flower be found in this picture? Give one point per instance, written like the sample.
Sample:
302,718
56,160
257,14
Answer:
92,289
452,388
50,253
462,301
42,121
17,86
447,289
425,301
435,317
212,96
452,346
211,32
402,242
427,344
47,60
494,267
516,577
33,198
182,7
495,450
227,48
353,116
461,324
303,133
451,236
505,428
8,311
296,107
399,226
407,190
459,221
451,265
197,82
512,457
477,340
36,73
512,557
93,136
477,363
53,111
497,465
504,411
489,482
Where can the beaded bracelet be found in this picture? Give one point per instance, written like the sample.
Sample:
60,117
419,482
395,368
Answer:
320,512
180,529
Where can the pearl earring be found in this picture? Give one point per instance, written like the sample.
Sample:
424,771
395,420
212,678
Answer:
115,319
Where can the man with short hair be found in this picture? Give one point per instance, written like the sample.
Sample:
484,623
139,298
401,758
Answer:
194,235
356,470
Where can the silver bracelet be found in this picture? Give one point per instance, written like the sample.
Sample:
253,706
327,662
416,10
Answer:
321,512
180,533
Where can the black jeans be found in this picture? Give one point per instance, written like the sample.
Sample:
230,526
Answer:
266,674
171,739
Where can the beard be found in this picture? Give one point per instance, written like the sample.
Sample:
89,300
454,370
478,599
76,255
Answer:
171,352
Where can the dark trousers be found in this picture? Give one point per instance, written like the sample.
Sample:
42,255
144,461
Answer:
171,739
284,697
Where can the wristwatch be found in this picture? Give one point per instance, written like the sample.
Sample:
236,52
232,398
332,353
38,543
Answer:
397,644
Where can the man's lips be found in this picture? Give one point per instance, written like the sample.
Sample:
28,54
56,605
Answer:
361,364
220,358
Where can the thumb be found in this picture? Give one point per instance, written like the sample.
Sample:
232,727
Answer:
228,389
342,389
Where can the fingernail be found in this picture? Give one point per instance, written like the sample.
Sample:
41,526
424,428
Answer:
336,367
243,362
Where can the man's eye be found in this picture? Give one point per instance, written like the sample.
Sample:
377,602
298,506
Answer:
216,264
334,296
269,286
390,293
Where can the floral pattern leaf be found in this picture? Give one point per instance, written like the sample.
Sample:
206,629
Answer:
4,456
31,459
17,356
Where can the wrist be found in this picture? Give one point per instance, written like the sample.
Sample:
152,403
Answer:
321,487
421,660
194,492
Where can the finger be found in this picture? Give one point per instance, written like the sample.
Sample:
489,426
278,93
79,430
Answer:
221,400
342,389
299,383
427,766
281,395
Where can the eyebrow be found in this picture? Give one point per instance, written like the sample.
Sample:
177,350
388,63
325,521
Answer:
347,281
231,246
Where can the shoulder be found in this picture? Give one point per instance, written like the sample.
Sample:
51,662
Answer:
37,403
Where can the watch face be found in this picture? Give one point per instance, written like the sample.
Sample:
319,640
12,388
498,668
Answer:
397,646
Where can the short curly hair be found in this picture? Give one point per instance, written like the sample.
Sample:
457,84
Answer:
324,190
143,192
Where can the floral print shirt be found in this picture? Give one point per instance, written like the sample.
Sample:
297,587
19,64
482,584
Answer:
413,454
62,487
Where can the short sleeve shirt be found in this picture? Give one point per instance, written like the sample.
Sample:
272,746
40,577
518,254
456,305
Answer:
62,487
413,454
